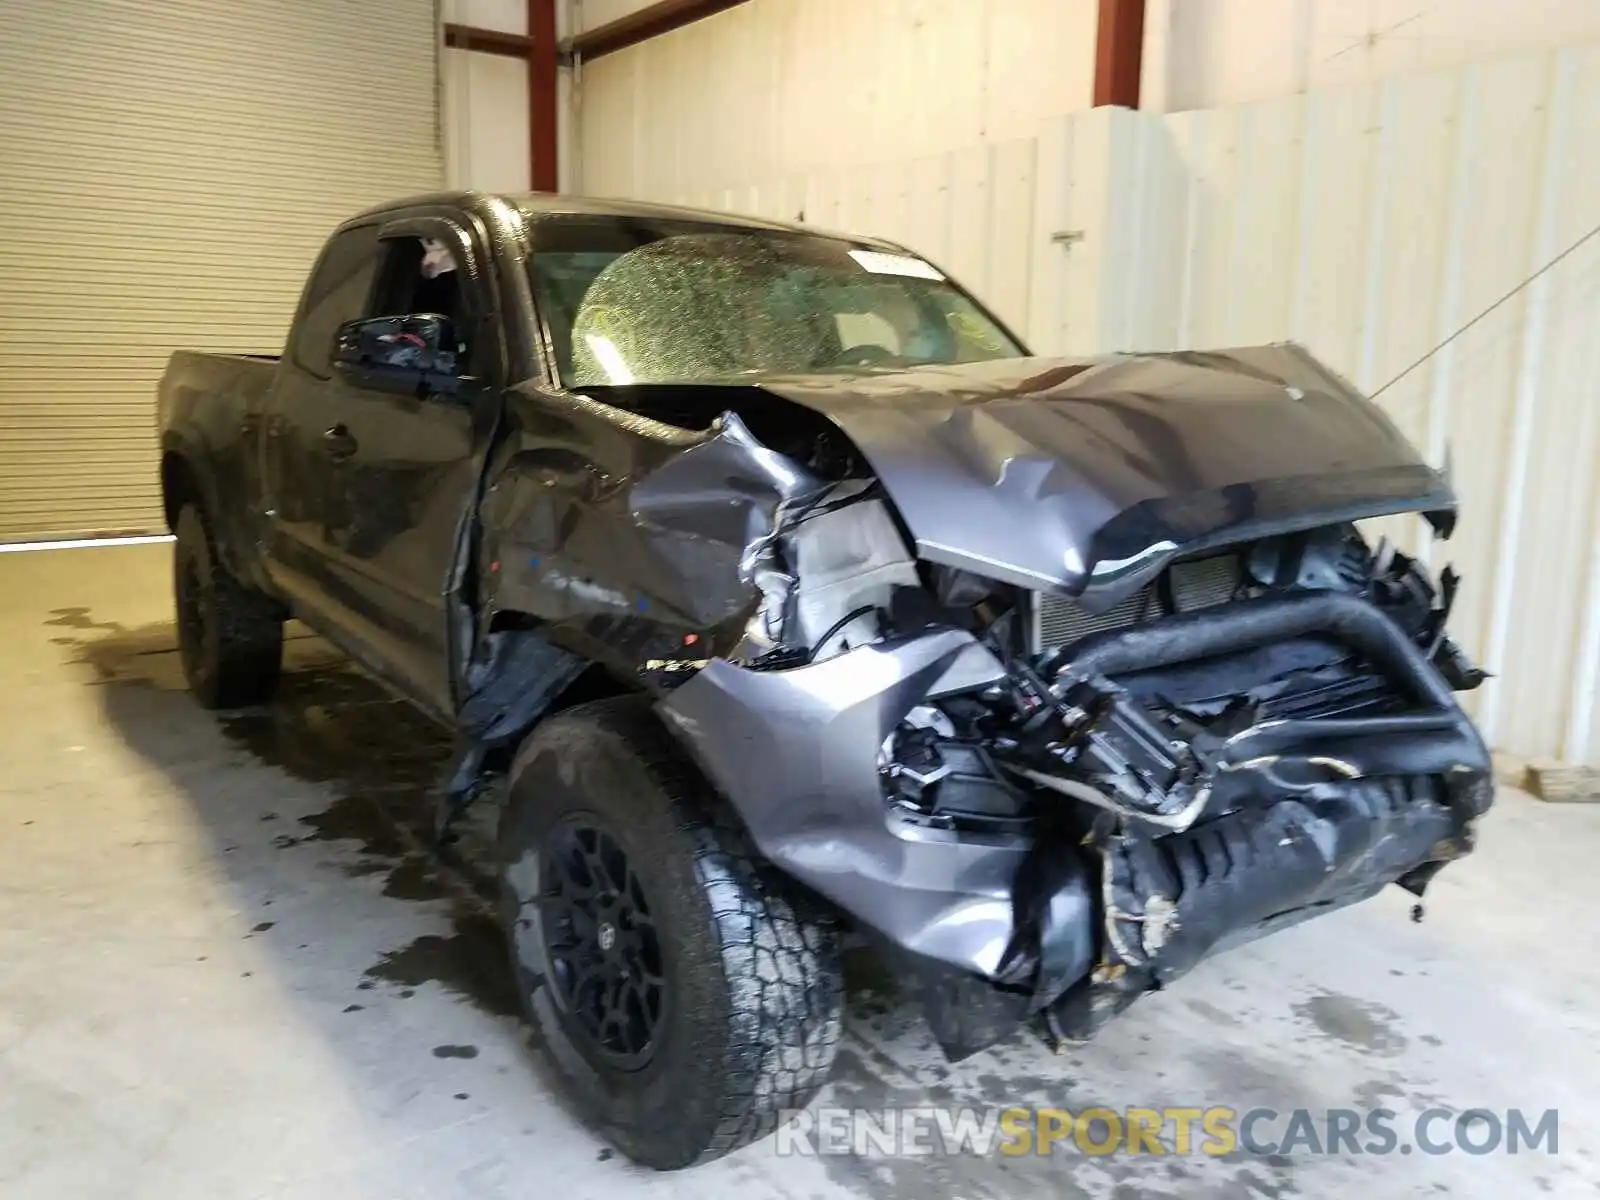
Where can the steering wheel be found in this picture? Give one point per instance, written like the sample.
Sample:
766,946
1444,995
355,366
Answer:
867,354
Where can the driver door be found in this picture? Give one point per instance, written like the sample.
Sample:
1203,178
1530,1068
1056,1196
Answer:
399,452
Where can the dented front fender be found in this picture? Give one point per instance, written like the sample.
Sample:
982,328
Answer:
796,753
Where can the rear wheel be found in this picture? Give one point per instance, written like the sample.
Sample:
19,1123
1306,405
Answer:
688,997
230,637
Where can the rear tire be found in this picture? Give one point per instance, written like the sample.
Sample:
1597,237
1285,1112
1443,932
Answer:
727,985
230,637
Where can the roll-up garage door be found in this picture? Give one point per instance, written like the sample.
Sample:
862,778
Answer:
168,170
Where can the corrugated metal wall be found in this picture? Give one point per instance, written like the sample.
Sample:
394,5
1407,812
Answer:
484,101
1204,53
1369,224
168,169
780,86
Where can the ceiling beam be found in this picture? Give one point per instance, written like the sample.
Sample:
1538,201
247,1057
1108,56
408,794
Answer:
487,41
1119,53
651,21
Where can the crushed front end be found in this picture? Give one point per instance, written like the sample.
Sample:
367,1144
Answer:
1041,810
1280,740
1052,676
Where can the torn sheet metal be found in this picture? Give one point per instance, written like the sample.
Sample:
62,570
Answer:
981,802
796,752
829,575
633,574
639,543
1167,904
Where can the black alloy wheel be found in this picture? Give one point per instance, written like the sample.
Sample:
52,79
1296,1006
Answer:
601,943
687,996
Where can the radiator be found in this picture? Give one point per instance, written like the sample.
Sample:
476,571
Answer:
1059,620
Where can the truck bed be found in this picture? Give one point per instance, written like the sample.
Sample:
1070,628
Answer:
208,410
235,383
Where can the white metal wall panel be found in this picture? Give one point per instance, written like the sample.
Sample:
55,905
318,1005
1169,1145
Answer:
508,15
773,88
170,168
1372,223
485,116
1205,53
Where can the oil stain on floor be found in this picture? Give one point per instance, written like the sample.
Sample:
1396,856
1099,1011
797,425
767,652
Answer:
1361,1023
332,726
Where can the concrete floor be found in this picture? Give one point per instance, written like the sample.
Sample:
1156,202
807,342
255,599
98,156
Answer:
225,973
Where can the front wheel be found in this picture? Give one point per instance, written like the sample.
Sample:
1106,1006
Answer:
686,994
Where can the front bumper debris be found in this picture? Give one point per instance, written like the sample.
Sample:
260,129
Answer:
1148,852
796,753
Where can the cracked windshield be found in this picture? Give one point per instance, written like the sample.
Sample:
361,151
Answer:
631,302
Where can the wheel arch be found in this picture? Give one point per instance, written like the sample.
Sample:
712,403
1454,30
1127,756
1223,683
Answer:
190,475
180,484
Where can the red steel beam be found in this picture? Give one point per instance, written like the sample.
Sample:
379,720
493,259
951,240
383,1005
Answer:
538,49
650,21
488,41
1118,54
544,97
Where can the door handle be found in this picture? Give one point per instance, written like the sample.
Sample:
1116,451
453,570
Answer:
338,442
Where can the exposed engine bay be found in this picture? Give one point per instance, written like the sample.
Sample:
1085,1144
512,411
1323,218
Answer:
1253,736
1048,782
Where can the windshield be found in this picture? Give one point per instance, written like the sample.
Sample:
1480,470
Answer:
632,301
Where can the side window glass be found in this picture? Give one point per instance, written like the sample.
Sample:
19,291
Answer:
560,280
338,288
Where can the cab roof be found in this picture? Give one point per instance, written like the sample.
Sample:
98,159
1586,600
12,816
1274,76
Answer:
537,205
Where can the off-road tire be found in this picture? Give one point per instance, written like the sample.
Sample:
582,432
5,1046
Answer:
753,990
230,637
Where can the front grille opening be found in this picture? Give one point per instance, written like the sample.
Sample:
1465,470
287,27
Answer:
1200,583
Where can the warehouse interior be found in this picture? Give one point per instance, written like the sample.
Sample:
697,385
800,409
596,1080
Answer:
235,966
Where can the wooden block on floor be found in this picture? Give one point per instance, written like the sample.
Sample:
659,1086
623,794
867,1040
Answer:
1562,784
1510,770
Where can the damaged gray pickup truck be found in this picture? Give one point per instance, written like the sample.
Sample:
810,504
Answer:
797,601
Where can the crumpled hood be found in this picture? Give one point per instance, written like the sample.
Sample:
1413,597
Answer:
1087,475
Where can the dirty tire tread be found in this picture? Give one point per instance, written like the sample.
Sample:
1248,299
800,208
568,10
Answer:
240,660
776,946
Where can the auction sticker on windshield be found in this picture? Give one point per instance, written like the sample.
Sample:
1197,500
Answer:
882,263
